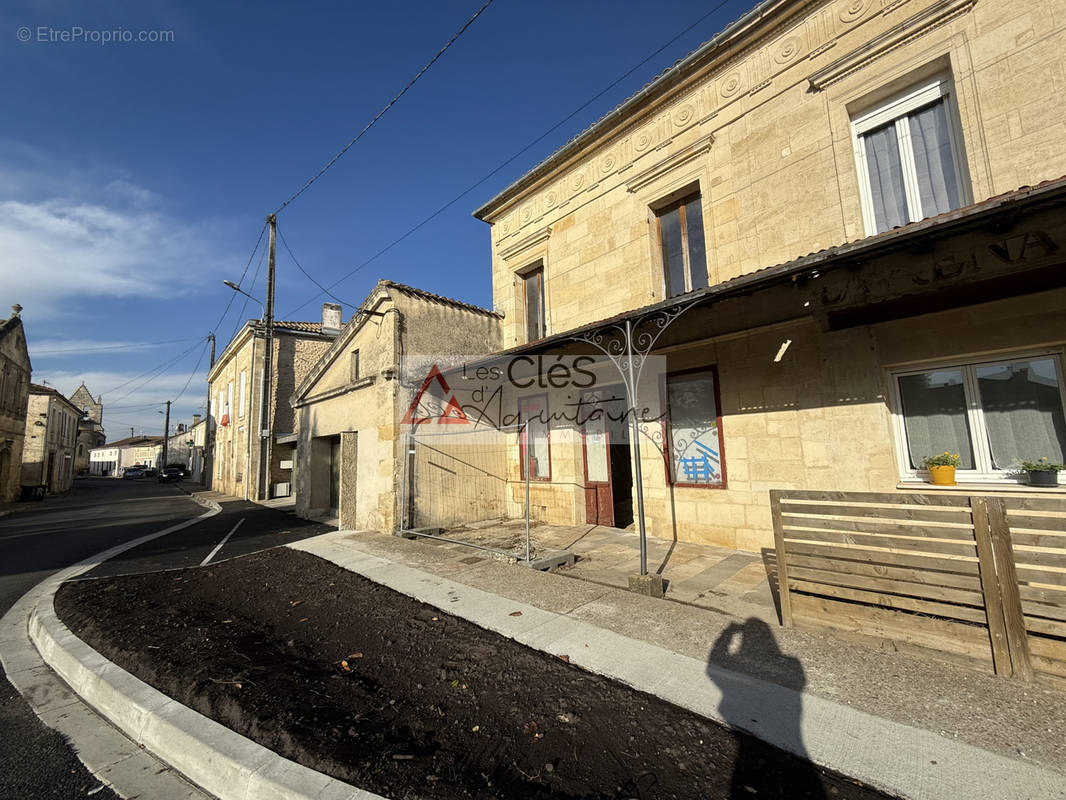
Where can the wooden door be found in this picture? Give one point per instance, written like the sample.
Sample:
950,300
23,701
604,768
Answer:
599,497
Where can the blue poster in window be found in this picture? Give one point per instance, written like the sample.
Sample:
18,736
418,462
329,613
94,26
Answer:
694,445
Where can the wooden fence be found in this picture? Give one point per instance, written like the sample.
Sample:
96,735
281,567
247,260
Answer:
978,578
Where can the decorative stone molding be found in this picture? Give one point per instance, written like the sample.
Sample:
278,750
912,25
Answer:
655,171
921,23
526,242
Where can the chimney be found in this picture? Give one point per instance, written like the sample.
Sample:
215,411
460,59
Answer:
331,319
181,427
195,420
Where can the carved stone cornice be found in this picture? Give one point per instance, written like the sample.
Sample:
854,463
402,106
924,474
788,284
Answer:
660,168
921,23
526,242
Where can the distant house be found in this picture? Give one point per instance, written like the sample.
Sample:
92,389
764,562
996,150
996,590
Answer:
51,438
350,406
114,457
90,427
235,389
14,396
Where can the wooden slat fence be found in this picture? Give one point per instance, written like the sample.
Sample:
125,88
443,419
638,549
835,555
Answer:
977,578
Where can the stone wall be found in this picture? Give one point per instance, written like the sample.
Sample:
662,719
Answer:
764,133
14,396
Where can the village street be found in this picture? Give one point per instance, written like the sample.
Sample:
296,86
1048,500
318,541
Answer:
39,539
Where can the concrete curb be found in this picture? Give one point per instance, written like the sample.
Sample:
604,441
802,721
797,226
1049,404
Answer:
209,755
898,759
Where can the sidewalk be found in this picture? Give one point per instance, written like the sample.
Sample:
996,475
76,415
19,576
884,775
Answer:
917,728
1018,721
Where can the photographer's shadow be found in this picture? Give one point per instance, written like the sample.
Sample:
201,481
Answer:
758,770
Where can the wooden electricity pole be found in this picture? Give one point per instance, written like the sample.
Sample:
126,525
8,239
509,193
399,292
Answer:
263,491
166,438
209,445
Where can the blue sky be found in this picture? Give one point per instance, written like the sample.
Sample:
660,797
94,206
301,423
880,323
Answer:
135,177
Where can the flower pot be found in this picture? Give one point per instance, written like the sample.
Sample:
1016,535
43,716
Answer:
1043,477
942,476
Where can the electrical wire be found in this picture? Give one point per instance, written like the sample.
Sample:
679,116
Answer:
308,275
153,369
240,316
203,352
506,163
128,346
388,105
233,296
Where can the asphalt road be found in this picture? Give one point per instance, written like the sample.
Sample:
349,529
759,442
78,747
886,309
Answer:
35,762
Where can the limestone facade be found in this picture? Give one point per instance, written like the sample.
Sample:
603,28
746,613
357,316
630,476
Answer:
90,427
760,126
14,396
51,438
349,409
235,393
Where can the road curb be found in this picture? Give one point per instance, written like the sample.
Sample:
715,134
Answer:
901,760
203,752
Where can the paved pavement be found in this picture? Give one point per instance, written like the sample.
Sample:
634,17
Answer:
40,538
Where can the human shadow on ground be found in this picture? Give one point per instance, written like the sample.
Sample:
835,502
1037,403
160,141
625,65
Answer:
749,705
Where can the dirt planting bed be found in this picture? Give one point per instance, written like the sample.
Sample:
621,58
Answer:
374,688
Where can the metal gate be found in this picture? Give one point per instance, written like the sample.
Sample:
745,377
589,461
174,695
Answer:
467,487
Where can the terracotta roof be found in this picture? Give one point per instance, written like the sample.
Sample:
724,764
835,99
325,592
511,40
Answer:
133,441
303,327
422,294
659,84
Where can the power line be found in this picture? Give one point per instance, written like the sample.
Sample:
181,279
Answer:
157,372
128,346
521,152
194,371
255,250
388,105
240,317
308,275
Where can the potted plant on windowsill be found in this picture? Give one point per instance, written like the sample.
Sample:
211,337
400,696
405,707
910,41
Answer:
1042,472
942,468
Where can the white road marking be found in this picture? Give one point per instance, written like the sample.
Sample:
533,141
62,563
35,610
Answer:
224,540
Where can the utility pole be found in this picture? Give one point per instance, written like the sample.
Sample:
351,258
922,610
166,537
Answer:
263,492
166,436
209,445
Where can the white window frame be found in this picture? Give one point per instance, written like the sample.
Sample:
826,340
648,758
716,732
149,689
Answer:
897,108
242,398
975,417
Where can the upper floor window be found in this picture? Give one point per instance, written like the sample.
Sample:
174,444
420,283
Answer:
242,395
682,245
354,376
533,292
909,158
994,414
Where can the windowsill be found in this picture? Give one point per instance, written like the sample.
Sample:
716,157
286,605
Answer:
982,488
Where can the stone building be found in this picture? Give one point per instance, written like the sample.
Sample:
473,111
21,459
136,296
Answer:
841,225
350,407
90,427
51,438
235,391
14,396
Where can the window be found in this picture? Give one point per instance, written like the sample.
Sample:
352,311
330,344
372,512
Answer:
242,397
993,414
533,291
229,399
909,158
694,444
354,366
682,245
535,449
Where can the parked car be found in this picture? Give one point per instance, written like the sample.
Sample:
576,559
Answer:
171,474
130,473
